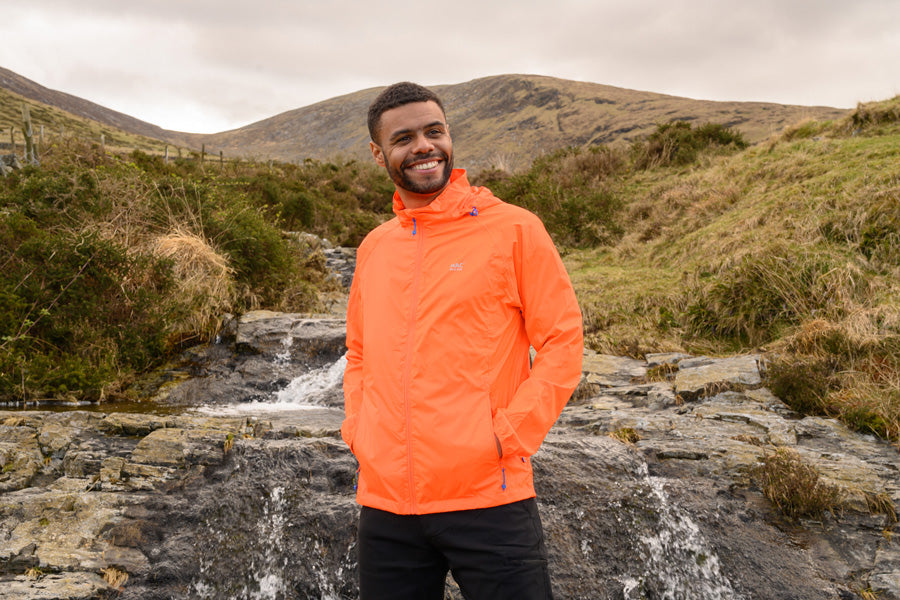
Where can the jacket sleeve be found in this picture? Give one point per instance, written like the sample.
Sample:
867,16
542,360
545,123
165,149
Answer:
353,371
554,327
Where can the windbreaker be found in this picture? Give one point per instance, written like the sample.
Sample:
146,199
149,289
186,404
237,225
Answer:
445,302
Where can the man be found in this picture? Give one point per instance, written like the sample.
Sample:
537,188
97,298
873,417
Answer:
443,408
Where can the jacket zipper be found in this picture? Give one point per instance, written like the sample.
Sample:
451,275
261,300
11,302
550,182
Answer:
410,342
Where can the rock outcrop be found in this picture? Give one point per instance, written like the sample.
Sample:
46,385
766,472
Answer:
646,487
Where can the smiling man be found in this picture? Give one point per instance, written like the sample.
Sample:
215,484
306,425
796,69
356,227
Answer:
444,407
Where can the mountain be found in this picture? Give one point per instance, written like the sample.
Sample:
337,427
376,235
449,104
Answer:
81,107
503,120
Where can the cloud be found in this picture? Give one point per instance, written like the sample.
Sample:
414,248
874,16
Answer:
211,65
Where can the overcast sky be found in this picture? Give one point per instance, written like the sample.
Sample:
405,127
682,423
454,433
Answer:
210,65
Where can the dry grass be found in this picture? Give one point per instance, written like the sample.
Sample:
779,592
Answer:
114,577
202,273
794,486
626,435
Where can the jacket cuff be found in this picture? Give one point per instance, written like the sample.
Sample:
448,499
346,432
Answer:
509,440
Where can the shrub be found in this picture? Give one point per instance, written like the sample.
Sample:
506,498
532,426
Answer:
794,486
569,191
677,143
76,309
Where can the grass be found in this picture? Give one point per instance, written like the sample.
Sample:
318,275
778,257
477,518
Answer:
114,577
794,486
626,435
112,263
789,248
684,241
60,125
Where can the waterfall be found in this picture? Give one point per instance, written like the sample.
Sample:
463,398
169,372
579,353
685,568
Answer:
303,392
679,563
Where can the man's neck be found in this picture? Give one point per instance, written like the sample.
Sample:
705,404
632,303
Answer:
412,200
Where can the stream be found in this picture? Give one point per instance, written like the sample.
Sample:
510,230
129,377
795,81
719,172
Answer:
232,483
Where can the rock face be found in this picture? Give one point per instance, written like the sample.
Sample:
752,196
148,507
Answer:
196,506
258,354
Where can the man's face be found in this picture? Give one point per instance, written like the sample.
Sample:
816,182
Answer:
414,146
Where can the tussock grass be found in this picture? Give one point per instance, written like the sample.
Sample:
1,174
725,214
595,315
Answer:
790,248
794,486
114,577
202,273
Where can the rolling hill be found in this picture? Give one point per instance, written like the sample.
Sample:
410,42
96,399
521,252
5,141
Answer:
502,121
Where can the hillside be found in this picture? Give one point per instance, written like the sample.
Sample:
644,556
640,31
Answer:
58,121
504,120
79,107
507,120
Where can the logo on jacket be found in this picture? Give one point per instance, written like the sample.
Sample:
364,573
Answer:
458,266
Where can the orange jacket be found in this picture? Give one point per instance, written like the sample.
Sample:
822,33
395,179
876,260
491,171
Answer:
444,304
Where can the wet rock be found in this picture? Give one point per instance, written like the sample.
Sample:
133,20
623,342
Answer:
268,351
199,505
342,262
290,337
55,586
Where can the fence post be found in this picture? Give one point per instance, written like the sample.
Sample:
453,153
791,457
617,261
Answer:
103,143
166,158
30,156
12,140
221,160
202,154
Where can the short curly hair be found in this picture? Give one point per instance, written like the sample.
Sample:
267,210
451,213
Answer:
394,96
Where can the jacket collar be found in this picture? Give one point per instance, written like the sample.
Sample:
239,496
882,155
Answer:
458,199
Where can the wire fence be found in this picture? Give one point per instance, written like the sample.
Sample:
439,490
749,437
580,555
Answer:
22,145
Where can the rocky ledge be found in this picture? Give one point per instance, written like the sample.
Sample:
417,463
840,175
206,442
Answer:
646,486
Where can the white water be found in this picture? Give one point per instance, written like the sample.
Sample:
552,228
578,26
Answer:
299,394
678,558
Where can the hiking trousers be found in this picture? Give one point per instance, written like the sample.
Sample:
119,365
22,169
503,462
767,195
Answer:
493,553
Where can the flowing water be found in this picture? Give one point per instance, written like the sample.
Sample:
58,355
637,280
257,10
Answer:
302,393
679,563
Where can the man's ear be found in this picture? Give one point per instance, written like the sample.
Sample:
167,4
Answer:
377,153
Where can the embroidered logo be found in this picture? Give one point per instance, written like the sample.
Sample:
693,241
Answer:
456,266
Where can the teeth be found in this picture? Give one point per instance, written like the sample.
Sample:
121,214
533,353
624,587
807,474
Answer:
425,166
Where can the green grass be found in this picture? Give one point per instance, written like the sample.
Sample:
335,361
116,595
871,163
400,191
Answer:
60,125
111,263
684,241
789,248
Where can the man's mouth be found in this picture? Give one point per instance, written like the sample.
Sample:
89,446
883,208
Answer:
431,164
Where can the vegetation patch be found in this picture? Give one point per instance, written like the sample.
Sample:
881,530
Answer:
626,435
678,143
794,486
112,263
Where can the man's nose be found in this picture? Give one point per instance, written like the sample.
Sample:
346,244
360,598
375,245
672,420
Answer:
422,145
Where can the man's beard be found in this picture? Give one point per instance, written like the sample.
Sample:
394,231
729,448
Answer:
401,180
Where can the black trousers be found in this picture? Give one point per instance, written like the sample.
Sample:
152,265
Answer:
494,554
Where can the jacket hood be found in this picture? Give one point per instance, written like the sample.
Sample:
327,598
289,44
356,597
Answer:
458,199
